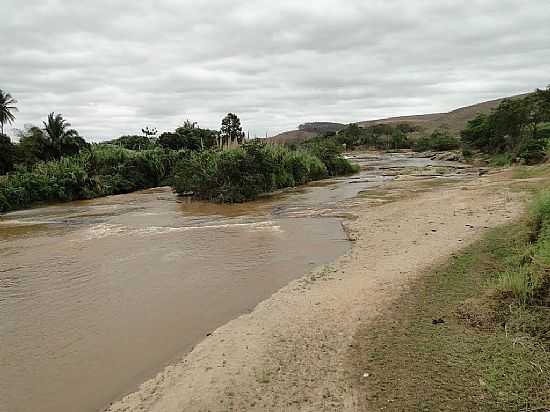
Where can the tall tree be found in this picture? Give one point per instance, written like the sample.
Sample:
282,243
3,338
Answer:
231,130
7,108
189,136
62,140
32,147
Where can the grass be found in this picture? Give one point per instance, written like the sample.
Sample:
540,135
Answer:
492,353
527,172
500,160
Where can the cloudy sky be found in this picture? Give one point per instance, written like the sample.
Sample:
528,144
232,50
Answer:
111,67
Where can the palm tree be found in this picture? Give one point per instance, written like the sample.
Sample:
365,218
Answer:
61,139
7,106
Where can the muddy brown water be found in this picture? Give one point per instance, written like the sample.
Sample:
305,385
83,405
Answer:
96,296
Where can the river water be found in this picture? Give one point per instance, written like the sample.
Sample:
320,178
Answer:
96,296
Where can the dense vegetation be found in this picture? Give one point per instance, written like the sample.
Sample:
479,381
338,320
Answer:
244,172
390,137
519,128
100,170
54,163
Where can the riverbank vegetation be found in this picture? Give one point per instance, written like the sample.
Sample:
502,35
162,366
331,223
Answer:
100,170
518,130
245,172
54,163
473,334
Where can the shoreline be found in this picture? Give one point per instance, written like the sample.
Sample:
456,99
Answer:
290,350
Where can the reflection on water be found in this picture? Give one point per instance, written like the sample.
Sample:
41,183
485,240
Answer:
96,295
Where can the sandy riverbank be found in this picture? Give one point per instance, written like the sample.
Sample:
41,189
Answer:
291,352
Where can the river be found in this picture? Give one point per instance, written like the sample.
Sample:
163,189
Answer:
96,296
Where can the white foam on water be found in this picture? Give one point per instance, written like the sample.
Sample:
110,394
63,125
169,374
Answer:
267,225
103,230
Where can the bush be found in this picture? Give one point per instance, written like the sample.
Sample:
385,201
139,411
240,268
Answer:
518,126
532,151
440,140
102,170
330,154
243,173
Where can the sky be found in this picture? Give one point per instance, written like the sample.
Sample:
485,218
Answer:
113,67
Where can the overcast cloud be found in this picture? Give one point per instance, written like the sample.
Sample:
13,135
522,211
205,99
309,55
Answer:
112,67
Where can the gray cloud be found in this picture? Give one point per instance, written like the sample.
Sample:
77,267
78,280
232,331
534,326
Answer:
114,67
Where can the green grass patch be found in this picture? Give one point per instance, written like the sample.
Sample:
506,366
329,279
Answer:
492,351
500,160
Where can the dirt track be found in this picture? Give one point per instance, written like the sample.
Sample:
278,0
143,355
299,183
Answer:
290,352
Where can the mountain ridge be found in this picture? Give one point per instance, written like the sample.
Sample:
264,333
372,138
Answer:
455,120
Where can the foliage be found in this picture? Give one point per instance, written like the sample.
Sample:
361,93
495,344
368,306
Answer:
528,280
60,139
231,130
245,172
189,137
439,140
32,147
500,160
7,154
7,107
99,171
377,136
54,141
330,154
134,142
150,133
517,126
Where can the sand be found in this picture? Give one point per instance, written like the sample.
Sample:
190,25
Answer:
290,352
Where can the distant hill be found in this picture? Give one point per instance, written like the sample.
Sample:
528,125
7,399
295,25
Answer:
322,127
455,120
306,131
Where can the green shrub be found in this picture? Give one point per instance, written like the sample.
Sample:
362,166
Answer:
532,151
439,140
501,159
102,170
330,154
243,173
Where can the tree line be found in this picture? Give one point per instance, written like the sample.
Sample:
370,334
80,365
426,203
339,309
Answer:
54,163
56,139
387,136
518,130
